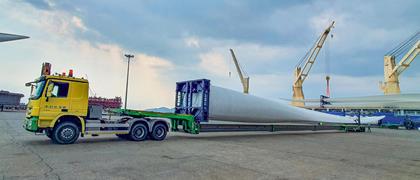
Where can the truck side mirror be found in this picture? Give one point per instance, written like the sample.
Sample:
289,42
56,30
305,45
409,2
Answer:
30,84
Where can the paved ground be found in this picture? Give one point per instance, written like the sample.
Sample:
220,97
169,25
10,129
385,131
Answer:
382,154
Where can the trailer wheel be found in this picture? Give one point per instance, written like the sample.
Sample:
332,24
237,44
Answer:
138,132
65,133
159,132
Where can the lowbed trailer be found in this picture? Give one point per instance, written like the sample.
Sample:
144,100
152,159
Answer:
58,107
188,124
278,127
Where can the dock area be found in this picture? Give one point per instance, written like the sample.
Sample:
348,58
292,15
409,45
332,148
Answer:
381,154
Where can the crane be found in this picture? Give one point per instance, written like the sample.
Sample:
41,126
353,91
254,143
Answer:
392,71
304,66
244,79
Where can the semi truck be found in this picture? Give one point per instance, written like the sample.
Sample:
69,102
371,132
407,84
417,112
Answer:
58,107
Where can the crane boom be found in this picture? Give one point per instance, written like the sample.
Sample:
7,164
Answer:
406,60
244,80
392,71
305,65
313,53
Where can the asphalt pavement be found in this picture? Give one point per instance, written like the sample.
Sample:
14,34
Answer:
381,154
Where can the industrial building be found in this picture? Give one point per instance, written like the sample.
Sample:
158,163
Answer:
10,101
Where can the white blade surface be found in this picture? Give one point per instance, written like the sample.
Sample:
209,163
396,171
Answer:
229,105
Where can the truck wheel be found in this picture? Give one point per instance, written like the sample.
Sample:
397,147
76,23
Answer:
409,125
138,132
159,132
65,133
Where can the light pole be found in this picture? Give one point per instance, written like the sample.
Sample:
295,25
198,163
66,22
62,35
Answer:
129,56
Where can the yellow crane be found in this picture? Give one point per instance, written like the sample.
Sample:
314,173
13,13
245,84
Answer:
304,66
392,71
244,79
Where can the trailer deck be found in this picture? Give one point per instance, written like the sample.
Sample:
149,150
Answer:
275,127
189,124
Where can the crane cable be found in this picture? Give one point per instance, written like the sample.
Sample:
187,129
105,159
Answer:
327,67
404,45
245,74
230,67
408,44
91,90
304,58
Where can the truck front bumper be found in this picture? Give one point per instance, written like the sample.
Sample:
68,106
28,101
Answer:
31,124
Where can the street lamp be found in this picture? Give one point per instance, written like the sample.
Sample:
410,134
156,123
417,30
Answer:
129,56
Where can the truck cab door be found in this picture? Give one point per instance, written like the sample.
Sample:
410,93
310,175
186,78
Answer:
56,100
79,98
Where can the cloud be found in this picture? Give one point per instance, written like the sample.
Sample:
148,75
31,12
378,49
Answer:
214,63
254,58
366,28
77,22
274,86
186,42
41,4
192,42
260,53
151,77
152,83
52,21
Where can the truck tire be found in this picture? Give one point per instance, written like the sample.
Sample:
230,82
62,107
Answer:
159,132
138,132
409,125
65,133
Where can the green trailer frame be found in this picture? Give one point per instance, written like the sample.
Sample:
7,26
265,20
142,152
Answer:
187,121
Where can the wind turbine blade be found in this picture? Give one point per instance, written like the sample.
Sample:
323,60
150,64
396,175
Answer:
11,37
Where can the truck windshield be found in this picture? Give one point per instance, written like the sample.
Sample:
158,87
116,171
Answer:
39,86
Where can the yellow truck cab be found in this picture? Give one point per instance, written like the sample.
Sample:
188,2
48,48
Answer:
54,98
59,108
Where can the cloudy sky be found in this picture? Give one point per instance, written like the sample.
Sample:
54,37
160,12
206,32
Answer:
188,39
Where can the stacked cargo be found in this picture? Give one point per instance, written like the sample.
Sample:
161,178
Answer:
106,103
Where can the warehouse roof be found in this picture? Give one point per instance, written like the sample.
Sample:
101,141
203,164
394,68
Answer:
2,92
